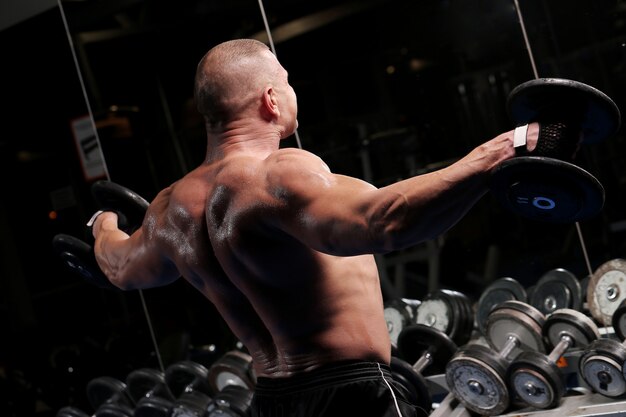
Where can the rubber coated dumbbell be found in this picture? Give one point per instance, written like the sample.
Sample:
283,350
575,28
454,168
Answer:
544,184
449,311
556,289
499,291
188,382
78,255
424,351
399,313
147,388
476,374
109,397
191,383
603,365
535,377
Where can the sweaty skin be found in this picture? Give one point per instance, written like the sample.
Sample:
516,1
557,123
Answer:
282,246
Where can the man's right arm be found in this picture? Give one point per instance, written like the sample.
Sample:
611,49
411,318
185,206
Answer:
345,216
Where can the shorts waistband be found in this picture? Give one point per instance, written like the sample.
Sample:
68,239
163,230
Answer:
325,375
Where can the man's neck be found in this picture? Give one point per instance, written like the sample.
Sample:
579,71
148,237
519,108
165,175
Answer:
255,138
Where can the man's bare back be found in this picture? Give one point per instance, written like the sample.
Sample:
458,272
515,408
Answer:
294,308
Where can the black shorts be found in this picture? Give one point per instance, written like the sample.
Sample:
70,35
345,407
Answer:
345,389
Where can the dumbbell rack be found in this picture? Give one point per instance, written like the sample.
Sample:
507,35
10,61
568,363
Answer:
584,404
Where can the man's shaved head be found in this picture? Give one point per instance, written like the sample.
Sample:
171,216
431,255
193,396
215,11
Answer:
230,77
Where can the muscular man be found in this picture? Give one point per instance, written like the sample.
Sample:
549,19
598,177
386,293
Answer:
283,247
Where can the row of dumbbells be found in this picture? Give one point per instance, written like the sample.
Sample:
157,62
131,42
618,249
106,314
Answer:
186,388
425,336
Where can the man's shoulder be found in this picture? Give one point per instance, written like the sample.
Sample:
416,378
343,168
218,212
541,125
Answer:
292,161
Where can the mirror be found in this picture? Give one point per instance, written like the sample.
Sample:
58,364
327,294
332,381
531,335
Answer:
386,89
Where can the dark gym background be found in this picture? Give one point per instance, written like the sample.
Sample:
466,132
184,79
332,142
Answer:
386,89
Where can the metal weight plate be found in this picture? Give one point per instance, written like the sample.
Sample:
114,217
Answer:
185,376
147,382
397,315
436,312
535,380
557,289
477,378
112,196
547,189
233,368
607,289
580,328
233,401
519,320
413,383
191,404
465,318
601,367
499,291
412,305
418,340
618,321
79,258
153,407
102,389
555,98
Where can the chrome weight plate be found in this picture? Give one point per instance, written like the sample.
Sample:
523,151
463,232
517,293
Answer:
536,380
567,322
233,368
607,289
519,320
601,367
476,377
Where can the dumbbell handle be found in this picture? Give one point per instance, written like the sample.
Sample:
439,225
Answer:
423,361
560,348
511,343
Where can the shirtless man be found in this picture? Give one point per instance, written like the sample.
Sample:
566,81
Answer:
283,247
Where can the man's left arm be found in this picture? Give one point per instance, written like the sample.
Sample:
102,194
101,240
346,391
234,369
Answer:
130,261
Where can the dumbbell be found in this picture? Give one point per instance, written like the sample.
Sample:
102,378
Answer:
606,290
399,312
147,388
544,184
144,394
108,396
603,365
232,368
188,382
499,291
476,374
192,384
449,311
535,377
555,290
78,255
425,351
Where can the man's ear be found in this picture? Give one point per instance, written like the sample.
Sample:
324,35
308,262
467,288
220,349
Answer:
270,102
